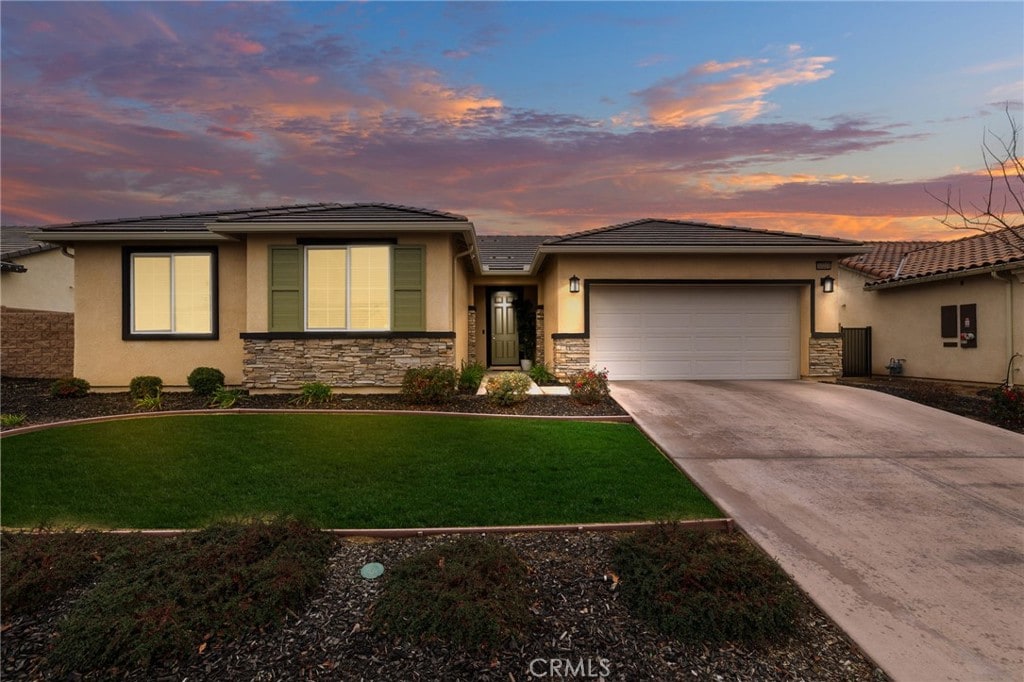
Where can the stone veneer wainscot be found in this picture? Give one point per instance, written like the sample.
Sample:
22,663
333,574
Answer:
571,354
274,363
826,355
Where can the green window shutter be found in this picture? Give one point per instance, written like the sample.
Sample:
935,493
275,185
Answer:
285,289
408,274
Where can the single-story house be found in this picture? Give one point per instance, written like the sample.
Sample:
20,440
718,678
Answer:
37,306
355,294
940,310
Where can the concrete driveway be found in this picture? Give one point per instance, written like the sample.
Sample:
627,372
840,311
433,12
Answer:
905,524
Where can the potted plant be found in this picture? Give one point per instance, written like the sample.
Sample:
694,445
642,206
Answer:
526,324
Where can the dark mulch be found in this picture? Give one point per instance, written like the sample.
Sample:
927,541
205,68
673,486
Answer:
967,400
580,618
31,397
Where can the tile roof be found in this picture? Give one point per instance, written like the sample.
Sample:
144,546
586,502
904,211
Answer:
940,258
321,212
509,253
16,242
884,257
661,233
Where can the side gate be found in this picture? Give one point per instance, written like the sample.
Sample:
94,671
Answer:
856,351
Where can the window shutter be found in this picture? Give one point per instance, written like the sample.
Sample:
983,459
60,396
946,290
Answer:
407,278
949,321
285,289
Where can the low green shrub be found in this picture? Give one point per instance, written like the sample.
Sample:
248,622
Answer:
469,593
145,386
219,582
223,398
314,393
38,568
1007,407
589,387
705,586
541,375
12,420
435,385
69,387
471,376
150,402
205,381
508,388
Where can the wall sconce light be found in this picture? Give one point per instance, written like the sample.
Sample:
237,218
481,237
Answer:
574,285
828,284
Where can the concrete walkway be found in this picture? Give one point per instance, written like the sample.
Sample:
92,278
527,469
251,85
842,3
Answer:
904,523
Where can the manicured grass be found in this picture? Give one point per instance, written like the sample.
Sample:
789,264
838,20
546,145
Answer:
340,471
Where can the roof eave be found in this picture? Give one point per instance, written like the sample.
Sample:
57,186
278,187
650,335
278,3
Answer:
72,236
816,248
239,227
938,277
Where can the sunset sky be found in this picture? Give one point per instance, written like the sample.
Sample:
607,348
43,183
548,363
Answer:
528,117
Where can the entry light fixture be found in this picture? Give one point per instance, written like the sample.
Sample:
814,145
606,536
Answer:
828,284
574,285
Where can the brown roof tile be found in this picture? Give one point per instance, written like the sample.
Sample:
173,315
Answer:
884,258
662,233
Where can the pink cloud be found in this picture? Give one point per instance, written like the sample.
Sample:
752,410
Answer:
238,43
231,134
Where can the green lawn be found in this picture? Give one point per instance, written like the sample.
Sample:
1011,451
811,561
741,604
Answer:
340,471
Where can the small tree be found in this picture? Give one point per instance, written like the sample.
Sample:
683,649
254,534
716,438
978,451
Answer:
1002,206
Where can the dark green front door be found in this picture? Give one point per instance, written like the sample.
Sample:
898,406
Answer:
504,339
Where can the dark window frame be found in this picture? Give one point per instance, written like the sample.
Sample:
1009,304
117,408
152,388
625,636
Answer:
126,294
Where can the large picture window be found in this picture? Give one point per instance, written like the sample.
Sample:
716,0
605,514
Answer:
170,294
348,288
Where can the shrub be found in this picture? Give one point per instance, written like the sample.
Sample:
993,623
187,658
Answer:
703,586
469,593
508,388
435,384
314,393
221,581
69,387
145,386
223,398
1007,407
589,387
542,375
150,402
205,380
471,376
12,420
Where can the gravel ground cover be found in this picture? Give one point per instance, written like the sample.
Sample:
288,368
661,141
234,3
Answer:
31,397
581,622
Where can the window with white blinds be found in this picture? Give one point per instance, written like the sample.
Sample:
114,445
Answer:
171,293
348,288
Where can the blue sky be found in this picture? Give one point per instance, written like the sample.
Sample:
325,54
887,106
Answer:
827,118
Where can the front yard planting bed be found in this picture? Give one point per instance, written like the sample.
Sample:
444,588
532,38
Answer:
273,601
340,471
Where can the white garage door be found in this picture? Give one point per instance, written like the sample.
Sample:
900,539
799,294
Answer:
693,332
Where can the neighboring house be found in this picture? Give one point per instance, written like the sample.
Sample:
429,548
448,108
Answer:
948,310
37,303
355,294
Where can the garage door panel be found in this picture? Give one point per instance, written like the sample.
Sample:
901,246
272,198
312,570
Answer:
678,332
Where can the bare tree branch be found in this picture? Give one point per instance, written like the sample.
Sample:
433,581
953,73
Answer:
1001,207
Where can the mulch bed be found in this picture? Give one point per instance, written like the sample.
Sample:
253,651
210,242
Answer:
31,397
580,619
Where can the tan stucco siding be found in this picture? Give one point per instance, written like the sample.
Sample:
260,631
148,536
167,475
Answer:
461,300
905,323
47,284
439,279
104,359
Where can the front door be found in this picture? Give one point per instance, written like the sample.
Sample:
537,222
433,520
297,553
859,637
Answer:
504,339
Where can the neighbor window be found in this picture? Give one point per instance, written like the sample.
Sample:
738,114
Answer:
348,288
170,293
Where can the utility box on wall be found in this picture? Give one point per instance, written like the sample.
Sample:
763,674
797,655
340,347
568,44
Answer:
969,326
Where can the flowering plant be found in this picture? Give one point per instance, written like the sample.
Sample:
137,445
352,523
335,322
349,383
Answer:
589,387
1008,406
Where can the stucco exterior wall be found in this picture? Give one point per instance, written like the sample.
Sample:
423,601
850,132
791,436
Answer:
105,360
48,283
905,323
